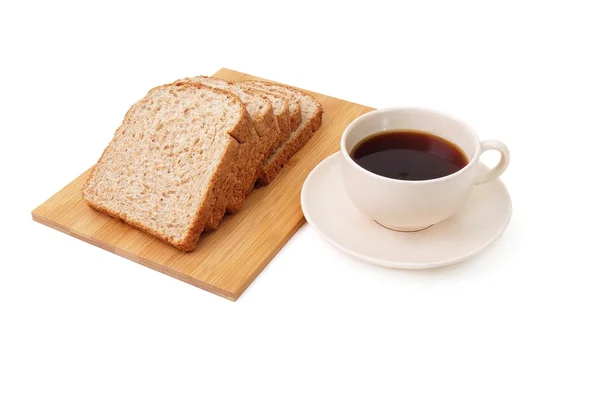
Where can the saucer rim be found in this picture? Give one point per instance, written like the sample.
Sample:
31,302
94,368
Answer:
388,263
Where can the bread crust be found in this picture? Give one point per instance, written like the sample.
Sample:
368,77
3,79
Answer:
268,130
280,158
284,122
283,119
304,131
295,116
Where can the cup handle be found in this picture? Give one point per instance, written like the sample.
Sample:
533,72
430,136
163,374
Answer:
486,176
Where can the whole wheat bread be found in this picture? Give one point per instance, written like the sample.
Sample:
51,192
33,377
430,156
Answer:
311,112
176,150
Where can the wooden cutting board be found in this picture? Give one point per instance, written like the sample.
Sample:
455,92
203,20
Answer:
227,260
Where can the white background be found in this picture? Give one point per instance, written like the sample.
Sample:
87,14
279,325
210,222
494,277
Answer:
520,321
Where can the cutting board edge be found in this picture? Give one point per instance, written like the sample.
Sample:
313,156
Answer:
233,296
286,238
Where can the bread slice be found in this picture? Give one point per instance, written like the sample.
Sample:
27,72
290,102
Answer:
261,111
175,151
311,112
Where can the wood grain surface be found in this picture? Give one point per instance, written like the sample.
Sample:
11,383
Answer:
227,260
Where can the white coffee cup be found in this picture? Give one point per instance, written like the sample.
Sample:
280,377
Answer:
415,205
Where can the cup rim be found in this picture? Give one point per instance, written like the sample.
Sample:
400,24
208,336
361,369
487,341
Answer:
369,114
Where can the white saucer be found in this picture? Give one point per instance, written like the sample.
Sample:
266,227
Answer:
478,224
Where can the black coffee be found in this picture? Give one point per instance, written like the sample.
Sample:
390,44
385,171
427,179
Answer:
409,155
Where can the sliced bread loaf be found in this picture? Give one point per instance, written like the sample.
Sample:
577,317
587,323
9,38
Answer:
175,151
311,113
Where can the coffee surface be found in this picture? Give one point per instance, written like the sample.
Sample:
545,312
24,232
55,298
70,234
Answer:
409,155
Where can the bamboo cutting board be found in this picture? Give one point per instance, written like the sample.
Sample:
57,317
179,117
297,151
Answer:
227,260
